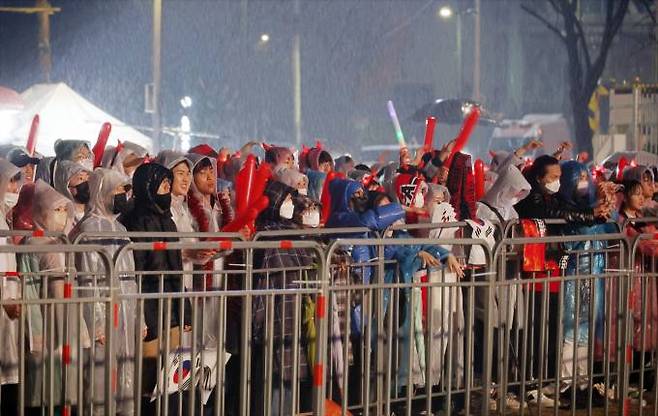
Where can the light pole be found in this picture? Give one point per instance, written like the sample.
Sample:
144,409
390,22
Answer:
157,30
297,76
446,13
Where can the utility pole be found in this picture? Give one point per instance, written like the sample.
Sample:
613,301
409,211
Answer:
297,75
157,32
43,10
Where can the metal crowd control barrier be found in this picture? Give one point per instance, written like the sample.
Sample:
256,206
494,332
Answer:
84,237
270,348
52,347
309,233
570,331
642,321
373,334
393,349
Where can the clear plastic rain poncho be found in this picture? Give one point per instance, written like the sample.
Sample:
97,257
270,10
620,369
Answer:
180,212
115,157
50,322
100,217
9,355
66,170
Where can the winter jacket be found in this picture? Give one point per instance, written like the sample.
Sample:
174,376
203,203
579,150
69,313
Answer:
149,217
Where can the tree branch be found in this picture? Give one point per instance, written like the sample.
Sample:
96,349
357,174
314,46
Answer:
583,42
613,21
548,24
646,5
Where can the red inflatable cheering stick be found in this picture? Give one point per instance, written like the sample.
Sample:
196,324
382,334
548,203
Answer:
248,218
429,134
465,133
32,137
623,163
244,181
99,147
479,179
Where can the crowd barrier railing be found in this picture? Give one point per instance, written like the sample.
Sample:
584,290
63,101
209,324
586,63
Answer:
354,320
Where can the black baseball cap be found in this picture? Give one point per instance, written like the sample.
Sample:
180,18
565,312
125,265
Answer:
19,157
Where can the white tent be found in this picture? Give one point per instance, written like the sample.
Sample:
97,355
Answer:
64,114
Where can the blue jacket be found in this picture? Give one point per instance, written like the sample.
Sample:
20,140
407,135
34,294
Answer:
342,215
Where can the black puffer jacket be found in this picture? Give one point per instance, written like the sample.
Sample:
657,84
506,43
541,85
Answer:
148,217
542,206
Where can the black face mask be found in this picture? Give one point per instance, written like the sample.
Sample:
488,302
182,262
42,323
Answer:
82,193
122,205
360,203
163,201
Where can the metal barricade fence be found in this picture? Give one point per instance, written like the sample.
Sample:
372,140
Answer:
642,324
388,352
369,332
274,338
559,326
45,337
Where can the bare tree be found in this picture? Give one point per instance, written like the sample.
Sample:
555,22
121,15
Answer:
584,69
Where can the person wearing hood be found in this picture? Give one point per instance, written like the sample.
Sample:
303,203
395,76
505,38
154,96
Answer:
180,167
124,158
152,213
107,195
510,188
632,211
72,150
344,164
51,212
316,163
577,192
10,183
293,178
497,206
72,181
279,156
349,208
414,261
210,210
280,215
644,175
543,202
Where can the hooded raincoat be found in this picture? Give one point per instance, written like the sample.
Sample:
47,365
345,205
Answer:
115,156
100,217
66,170
591,293
9,355
65,327
180,212
497,206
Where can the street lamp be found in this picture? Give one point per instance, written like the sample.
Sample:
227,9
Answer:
446,13
264,38
186,102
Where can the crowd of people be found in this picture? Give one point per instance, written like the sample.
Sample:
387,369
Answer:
124,189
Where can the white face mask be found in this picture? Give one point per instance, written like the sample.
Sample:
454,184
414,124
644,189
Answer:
553,187
11,199
303,191
419,201
57,221
87,164
311,219
287,210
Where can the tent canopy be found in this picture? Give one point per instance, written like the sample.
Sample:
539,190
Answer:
65,114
